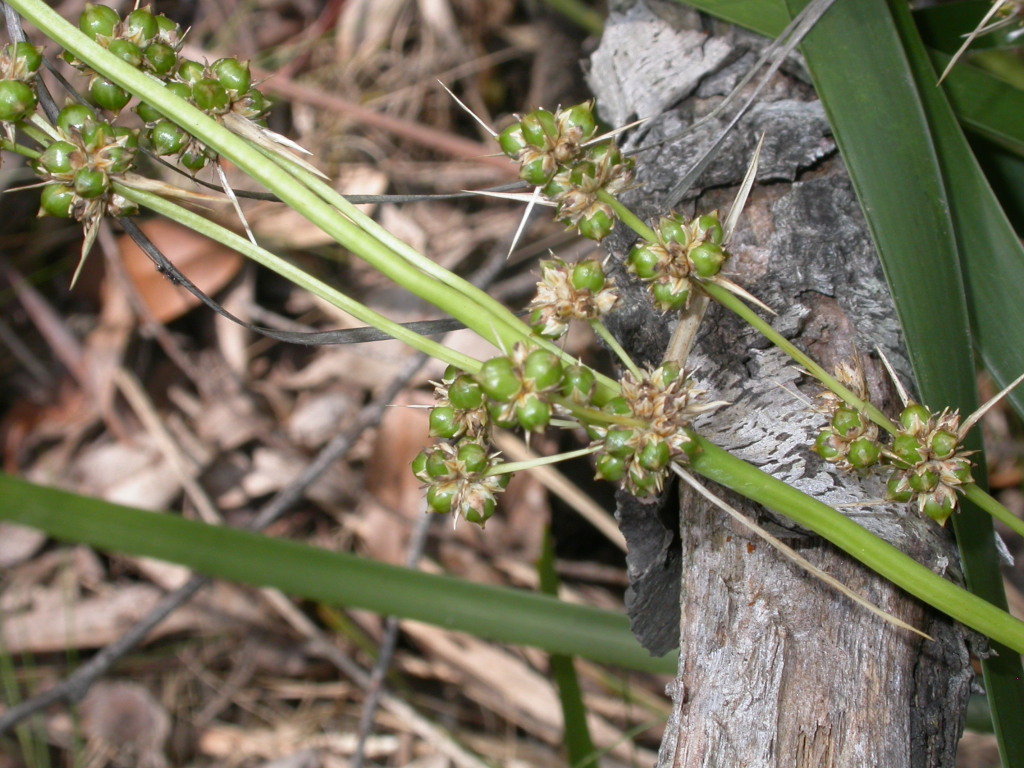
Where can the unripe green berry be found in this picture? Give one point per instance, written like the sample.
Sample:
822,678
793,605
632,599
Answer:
897,490
160,58
74,118
533,414
922,482
443,422
166,138
823,445
596,225
908,449
944,444
618,443
610,468
961,470
914,417
108,95
419,466
655,455
543,369
167,30
538,171
17,100
473,457
210,96
580,116
194,158
90,183
939,512
480,515
24,56
707,259
578,383
710,229
847,422
252,104
439,499
437,465
500,415
539,128
56,158
619,406
56,200
644,261
667,299
588,276
863,453
232,74
465,393
97,135
498,379
126,51
554,189
673,230
191,71
646,483
97,20
511,140
670,371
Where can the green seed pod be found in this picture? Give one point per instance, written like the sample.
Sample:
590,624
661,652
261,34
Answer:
914,417
210,96
923,482
98,20
673,230
120,159
17,100
90,183
655,455
939,511
578,383
944,444
555,189
465,393
501,416
533,414
539,128
691,448
670,372
439,499
129,136
908,448
709,228
480,514
539,170
56,200
25,58
141,23
419,466
618,443
191,71
74,118
194,158
474,457
645,483
897,490
97,135
108,95
252,104
588,276
443,422
166,138
581,117
126,51
511,141
543,369
961,470
596,225
668,299
498,379
863,453
168,31
619,406
57,157
707,259
644,261
181,90
437,465
606,154
823,445
847,422
582,174
610,468
232,74
538,322
160,58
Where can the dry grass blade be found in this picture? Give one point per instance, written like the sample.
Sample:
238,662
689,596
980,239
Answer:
983,28
790,553
740,201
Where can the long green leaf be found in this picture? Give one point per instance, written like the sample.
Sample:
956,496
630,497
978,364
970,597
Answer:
335,578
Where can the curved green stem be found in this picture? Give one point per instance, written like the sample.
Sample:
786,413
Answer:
994,508
613,344
522,466
627,217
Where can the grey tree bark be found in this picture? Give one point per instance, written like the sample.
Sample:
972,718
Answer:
776,669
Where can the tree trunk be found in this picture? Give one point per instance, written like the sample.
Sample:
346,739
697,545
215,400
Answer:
776,668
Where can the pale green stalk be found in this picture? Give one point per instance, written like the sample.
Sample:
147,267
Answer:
613,344
985,501
522,466
627,217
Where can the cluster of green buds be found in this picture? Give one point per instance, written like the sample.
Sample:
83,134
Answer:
648,428
152,43
83,163
927,464
19,63
684,250
566,293
557,152
459,479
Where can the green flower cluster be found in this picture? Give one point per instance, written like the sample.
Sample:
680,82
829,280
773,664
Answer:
684,250
19,63
566,293
81,165
927,464
557,152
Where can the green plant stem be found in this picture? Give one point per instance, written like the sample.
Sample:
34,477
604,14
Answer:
292,273
19,149
986,502
522,466
736,305
719,466
613,344
627,217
